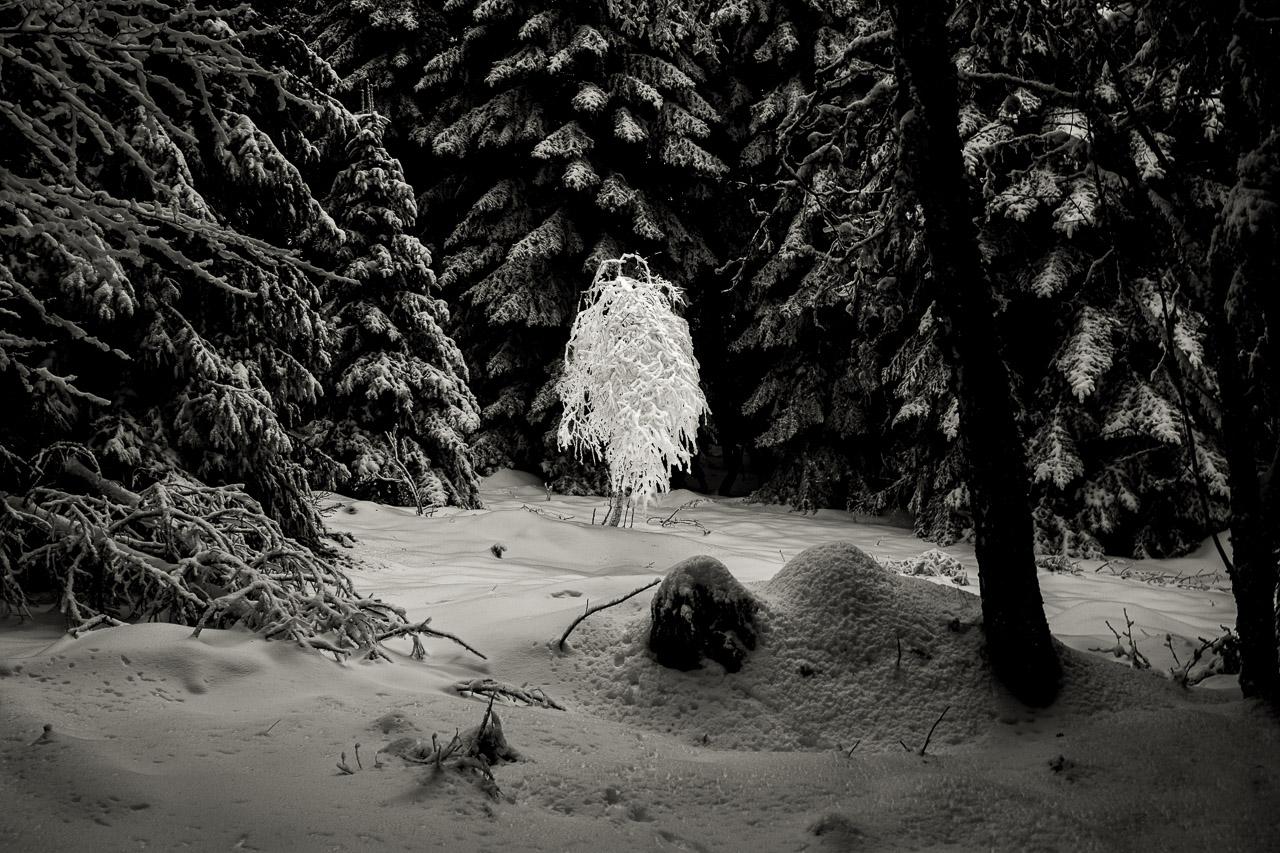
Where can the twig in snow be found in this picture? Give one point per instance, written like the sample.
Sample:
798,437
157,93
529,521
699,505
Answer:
599,607
1224,648
270,727
94,622
416,630
541,511
672,521
1136,658
509,692
929,736
488,715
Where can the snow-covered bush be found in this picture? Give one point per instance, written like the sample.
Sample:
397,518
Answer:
630,384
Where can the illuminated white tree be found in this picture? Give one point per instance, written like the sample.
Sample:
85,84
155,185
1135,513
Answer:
630,384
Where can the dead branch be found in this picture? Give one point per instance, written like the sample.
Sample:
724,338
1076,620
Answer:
1222,649
393,443
599,607
546,512
535,696
672,521
417,629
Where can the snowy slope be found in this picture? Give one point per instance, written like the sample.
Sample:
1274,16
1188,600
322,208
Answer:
162,741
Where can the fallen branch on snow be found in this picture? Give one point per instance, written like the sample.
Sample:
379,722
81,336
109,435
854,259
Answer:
672,521
599,607
535,696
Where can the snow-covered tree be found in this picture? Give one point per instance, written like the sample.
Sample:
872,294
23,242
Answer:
630,385
399,410
1120,453
830,288
378,49
811,323
161,333
565,133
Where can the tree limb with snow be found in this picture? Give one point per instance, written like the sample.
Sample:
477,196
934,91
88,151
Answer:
630,385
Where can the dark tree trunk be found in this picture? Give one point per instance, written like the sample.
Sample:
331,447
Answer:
1019,646
1255,515
1245,312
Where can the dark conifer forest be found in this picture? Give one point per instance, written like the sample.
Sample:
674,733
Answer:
1004,273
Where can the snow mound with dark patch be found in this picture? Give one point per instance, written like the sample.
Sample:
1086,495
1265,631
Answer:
848,652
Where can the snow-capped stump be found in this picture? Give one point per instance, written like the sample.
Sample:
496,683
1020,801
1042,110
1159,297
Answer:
702,611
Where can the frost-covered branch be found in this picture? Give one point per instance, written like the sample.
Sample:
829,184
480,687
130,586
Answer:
630,386
183,552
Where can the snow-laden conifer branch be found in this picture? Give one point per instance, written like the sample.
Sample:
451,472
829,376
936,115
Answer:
184,552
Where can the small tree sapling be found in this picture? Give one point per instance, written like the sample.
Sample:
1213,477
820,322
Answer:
630,384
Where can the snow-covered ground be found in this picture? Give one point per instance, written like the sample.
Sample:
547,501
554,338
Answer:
161,741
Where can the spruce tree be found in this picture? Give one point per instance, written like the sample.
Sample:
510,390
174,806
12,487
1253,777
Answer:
399,410
837,258
1121,461
1194,92
849,392
377,48
568,134
161,333
159,318
810,399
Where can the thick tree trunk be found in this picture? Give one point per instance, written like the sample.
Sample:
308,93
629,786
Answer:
1245,312
1244,271
1019,646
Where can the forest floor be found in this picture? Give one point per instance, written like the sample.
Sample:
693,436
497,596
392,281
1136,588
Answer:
158,740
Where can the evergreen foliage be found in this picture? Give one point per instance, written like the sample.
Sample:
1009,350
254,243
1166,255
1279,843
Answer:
378,49
836,258
179,309
568,134
161,329
155,313
399,409
813,365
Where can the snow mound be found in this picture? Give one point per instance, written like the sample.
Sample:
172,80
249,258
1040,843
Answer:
517,482
826,672
849,652
835,580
